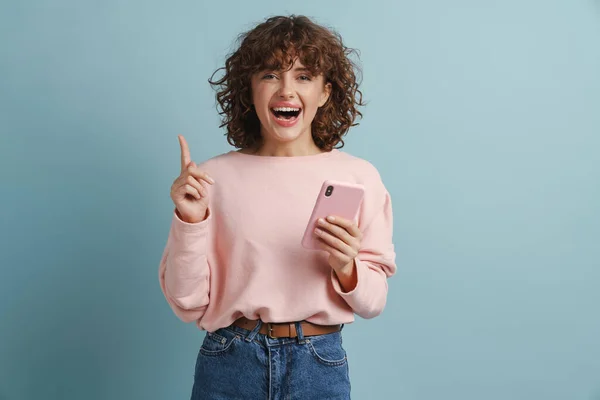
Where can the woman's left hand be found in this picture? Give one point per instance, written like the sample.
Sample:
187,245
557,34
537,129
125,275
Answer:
341,238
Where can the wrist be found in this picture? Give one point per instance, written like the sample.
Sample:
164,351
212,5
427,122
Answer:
348,276
191,220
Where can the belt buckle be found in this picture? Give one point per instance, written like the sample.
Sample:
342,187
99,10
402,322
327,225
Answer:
270,330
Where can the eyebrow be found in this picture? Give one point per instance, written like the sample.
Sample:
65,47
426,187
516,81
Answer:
297,69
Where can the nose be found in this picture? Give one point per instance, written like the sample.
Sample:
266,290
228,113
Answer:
286,90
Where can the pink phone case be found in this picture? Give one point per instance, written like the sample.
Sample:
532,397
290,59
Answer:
344,200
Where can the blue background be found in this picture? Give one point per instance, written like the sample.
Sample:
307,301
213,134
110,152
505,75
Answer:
483,119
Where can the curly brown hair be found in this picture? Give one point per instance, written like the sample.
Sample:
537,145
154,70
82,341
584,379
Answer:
274,45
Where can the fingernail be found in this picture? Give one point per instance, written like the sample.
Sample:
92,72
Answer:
211,180
330,218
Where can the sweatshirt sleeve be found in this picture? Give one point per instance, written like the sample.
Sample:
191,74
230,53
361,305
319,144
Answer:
184,272
376,259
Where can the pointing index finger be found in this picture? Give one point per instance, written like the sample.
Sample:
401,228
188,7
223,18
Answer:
185,153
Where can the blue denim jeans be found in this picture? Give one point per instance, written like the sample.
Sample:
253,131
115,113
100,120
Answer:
235,363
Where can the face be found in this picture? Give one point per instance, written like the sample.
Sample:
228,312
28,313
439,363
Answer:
286,102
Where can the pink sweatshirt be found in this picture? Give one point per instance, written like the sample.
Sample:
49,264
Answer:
246,257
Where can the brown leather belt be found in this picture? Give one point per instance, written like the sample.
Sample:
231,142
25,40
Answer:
285,329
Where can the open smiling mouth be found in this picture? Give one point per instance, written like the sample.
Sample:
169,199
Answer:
286,113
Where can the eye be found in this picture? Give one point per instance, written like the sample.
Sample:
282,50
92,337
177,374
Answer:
268,76
305,78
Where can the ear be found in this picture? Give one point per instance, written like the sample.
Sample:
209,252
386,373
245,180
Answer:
325,95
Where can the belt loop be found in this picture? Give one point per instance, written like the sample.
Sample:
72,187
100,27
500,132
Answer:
254,331
299,332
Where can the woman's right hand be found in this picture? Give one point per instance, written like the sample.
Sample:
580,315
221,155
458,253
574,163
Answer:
189,192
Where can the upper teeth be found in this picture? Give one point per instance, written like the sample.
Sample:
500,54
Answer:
286,109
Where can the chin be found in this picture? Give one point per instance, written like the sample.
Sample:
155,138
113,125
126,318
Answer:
285,135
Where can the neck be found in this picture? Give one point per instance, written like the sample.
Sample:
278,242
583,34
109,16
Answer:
285,149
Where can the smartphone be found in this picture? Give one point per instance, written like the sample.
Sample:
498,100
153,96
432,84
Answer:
335,198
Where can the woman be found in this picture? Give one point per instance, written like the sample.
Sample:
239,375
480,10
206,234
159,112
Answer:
234,264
